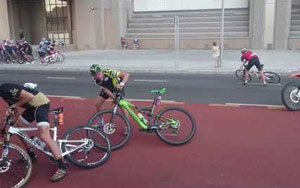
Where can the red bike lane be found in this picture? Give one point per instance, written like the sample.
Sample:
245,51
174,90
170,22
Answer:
234,146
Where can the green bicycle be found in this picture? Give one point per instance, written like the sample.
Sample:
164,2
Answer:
174,125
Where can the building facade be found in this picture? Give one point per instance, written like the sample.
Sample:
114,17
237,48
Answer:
99,24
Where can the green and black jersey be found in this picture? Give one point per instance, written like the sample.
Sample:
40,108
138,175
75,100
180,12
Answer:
111,79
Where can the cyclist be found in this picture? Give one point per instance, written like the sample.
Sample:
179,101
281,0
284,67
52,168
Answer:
110,81
252,59
36,106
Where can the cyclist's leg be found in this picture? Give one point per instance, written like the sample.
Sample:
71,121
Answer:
259,68
247,68
43,126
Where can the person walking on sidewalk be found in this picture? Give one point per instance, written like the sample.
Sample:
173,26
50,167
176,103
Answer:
109,81
251,59
36,106
216,54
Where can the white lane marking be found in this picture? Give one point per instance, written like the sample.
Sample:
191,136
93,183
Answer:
66,97
62,78
151,80
261,105
262,84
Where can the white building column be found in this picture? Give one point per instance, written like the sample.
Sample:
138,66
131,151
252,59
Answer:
4,20
262,24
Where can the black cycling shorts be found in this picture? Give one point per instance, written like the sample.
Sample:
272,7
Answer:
40,114
103,94
252,62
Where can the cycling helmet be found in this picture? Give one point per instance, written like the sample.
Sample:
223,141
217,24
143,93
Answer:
94,69
244,50
30,85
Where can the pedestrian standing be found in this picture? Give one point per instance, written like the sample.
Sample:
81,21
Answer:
216,54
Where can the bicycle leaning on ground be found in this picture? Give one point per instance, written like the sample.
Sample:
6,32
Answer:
271,77
78,147
174,125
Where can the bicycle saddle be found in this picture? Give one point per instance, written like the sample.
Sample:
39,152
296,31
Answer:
57,110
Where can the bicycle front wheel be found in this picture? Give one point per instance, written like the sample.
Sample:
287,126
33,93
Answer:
115,125
83,140
241,75
290,96
272,77
15,171
175,125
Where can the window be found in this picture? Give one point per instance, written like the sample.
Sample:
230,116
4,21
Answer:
57,24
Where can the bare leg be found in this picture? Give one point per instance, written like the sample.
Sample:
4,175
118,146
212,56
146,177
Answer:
262,77
246,76
99,102
46,137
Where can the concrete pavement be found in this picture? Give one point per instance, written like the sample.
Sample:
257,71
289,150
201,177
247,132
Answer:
163,61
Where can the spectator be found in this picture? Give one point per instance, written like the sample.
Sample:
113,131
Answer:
123,43
216,54
136,42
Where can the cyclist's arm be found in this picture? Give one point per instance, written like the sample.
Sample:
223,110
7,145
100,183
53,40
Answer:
24,98
124,76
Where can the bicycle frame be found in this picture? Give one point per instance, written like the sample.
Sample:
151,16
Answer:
128,106
20,131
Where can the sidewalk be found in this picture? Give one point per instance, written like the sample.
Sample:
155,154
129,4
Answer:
163,61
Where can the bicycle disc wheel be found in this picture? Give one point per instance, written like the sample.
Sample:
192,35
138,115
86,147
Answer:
83,139
16,170
115,126
290,96
272,77
240,75
176,126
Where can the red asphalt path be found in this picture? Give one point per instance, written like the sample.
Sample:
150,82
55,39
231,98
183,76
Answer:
234,147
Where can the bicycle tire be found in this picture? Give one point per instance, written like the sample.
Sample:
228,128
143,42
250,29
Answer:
22,155
85,132
112,133
288,96
160,122
240,75
272,77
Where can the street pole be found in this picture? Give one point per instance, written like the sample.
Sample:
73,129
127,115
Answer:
222,32
176,42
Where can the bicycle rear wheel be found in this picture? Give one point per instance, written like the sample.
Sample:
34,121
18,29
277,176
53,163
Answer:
290,96
272,77
115,126
240,75
15,171
88,155
176,126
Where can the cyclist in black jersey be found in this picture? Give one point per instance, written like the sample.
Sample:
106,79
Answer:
36,107
110,81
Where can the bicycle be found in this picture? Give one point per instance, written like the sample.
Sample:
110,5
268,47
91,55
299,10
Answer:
81,151
166,123
271,77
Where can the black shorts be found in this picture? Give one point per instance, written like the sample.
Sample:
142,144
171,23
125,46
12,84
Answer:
103,94
252,62
40,114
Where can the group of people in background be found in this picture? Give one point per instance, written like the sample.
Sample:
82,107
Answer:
130,44
16,51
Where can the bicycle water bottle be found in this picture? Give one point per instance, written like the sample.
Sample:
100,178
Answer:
142,118
39,142
158,100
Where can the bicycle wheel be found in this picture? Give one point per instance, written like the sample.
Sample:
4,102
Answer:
61,58
176,126
115,126
272,77
16,170
290,96
88,155
240,75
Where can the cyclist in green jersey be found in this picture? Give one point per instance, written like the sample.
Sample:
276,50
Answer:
109,81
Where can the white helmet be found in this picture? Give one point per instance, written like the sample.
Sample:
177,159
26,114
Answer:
30,85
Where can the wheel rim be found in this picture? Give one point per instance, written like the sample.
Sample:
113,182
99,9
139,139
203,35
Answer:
295,95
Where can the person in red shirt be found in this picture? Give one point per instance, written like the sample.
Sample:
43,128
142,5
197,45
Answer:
252,59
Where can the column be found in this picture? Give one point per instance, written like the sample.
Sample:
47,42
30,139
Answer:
4,20
282,23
